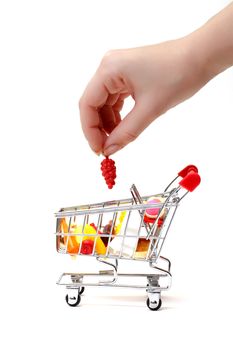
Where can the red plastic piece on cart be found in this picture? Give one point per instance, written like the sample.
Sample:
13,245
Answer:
152,220
87,246
190,181
187,169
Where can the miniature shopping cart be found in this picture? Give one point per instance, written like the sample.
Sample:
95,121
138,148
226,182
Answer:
133,229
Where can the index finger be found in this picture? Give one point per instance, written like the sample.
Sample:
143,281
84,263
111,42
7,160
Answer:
94,97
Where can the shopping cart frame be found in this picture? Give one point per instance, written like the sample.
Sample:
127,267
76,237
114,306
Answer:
154,283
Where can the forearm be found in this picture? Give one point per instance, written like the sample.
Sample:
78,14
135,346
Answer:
212,44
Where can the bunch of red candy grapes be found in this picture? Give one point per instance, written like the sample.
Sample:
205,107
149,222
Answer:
108,171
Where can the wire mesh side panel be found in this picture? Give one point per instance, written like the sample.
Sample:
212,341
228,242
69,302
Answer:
114,230
161,234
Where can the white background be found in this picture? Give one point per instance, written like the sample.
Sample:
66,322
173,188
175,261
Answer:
49,51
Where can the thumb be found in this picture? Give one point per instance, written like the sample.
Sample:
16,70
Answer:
129,128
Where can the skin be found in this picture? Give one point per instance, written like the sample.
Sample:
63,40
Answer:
158,77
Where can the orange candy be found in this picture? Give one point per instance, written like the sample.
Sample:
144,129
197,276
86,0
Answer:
70,241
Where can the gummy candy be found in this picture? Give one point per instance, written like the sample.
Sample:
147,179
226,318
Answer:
108,169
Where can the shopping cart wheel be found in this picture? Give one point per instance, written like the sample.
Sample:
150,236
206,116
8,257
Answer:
72,300
81,290
154,306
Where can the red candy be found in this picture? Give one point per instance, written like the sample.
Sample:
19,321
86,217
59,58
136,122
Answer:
108,171
87,246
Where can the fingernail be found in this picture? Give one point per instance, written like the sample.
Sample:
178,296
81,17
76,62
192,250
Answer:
111,149
97,153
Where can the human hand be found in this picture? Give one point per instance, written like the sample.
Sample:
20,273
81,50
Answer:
158,77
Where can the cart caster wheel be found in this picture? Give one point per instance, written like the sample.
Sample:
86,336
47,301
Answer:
72,303
81,290
153,305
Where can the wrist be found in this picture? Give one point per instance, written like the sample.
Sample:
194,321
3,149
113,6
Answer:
211,46
200,57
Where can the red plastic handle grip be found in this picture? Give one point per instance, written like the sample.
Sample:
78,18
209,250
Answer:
187,169
190,178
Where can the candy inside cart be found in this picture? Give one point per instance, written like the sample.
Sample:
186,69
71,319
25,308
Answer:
131,229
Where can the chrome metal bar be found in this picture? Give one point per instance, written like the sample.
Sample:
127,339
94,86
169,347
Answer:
114,270
171,183
184,195
111,232
168,262
97,230
138,200
124,234
64,214
165,205
80,277
173,214
67,241
108,203
138,236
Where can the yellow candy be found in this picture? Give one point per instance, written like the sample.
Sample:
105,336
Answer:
89,230
120,222
70,241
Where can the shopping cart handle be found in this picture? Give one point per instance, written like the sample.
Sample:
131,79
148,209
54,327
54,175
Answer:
190,178
187,169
